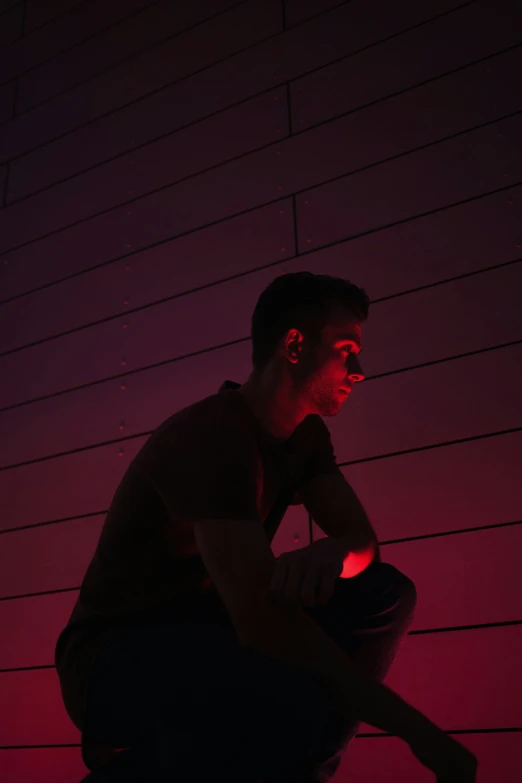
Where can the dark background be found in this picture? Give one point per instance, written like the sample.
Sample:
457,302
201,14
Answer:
161,163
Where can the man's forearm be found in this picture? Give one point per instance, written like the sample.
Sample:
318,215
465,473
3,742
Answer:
355,561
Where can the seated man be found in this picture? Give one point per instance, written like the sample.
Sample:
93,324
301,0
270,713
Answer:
190,646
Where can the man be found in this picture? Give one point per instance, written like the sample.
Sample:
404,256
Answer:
190,645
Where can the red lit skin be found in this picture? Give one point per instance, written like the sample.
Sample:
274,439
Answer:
303,379
354,563
307,576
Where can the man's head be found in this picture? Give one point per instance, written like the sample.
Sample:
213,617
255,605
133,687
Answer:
306,335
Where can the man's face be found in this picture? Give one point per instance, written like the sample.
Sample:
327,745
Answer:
329,371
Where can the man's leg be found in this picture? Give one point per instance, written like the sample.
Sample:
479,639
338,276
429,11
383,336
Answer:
189,703
368,616
188,700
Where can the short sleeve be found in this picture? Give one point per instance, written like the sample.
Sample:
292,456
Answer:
322,457
210,473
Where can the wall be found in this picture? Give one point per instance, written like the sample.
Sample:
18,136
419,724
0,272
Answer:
160,164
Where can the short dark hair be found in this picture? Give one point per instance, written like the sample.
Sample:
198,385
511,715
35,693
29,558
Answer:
304,301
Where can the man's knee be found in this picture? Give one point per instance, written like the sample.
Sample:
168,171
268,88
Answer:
402,584
385,580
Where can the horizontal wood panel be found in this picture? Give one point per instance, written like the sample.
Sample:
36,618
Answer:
211,41
240,130
347,28
114,45
476,162
461,168
316,97
11,23
35,623
36,55
71,479
453,677
453,241
297,11
427,114
368,759
472,32
44,12
463,579
40,765
78,245
86,20
242,244
464,485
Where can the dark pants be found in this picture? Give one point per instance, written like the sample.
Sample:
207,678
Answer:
191,704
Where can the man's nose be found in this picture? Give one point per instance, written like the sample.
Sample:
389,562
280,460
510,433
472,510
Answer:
356,371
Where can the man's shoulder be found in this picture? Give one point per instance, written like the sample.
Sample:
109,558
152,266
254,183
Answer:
200,422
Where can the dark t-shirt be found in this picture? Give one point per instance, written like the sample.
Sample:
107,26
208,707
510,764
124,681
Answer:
209,460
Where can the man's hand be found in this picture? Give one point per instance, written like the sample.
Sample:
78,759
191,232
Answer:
306,577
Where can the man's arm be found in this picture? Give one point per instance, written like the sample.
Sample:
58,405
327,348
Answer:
336,509
238,558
